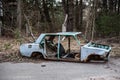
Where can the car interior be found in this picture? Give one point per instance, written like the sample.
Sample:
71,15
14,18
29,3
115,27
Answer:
65,49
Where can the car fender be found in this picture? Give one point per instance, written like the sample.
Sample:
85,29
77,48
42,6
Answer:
86,52
28,49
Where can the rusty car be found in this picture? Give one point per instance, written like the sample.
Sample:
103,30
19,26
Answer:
65,46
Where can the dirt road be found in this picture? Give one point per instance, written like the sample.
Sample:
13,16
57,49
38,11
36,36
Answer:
60,71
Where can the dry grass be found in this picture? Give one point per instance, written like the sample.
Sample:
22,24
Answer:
8,45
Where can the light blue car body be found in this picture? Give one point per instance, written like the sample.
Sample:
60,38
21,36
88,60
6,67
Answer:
90,48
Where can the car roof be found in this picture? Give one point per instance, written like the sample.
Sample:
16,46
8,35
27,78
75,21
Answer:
56,34
64,33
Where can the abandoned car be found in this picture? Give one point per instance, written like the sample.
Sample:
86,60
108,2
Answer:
65,46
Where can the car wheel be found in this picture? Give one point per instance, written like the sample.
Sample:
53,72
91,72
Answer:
37,55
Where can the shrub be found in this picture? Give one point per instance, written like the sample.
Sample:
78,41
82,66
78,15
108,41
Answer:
108,25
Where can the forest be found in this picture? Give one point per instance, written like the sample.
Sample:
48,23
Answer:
95,18
59,39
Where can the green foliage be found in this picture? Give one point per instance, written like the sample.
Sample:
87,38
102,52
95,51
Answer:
108,25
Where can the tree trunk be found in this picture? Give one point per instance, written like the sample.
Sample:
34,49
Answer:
118,11
64,4
0,28
77,12
115,6
95,6
70,21
64,24
19,16
53,17
1,17
111,6
88,23
29,28
105,5
81,15
47,16
91,16
68,7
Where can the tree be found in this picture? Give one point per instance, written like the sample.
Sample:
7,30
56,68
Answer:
70,21
68,7
77,12
104,5
81,15
111,4
1,17
78,15
47,15
19,14
74,12
91,19
118,11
